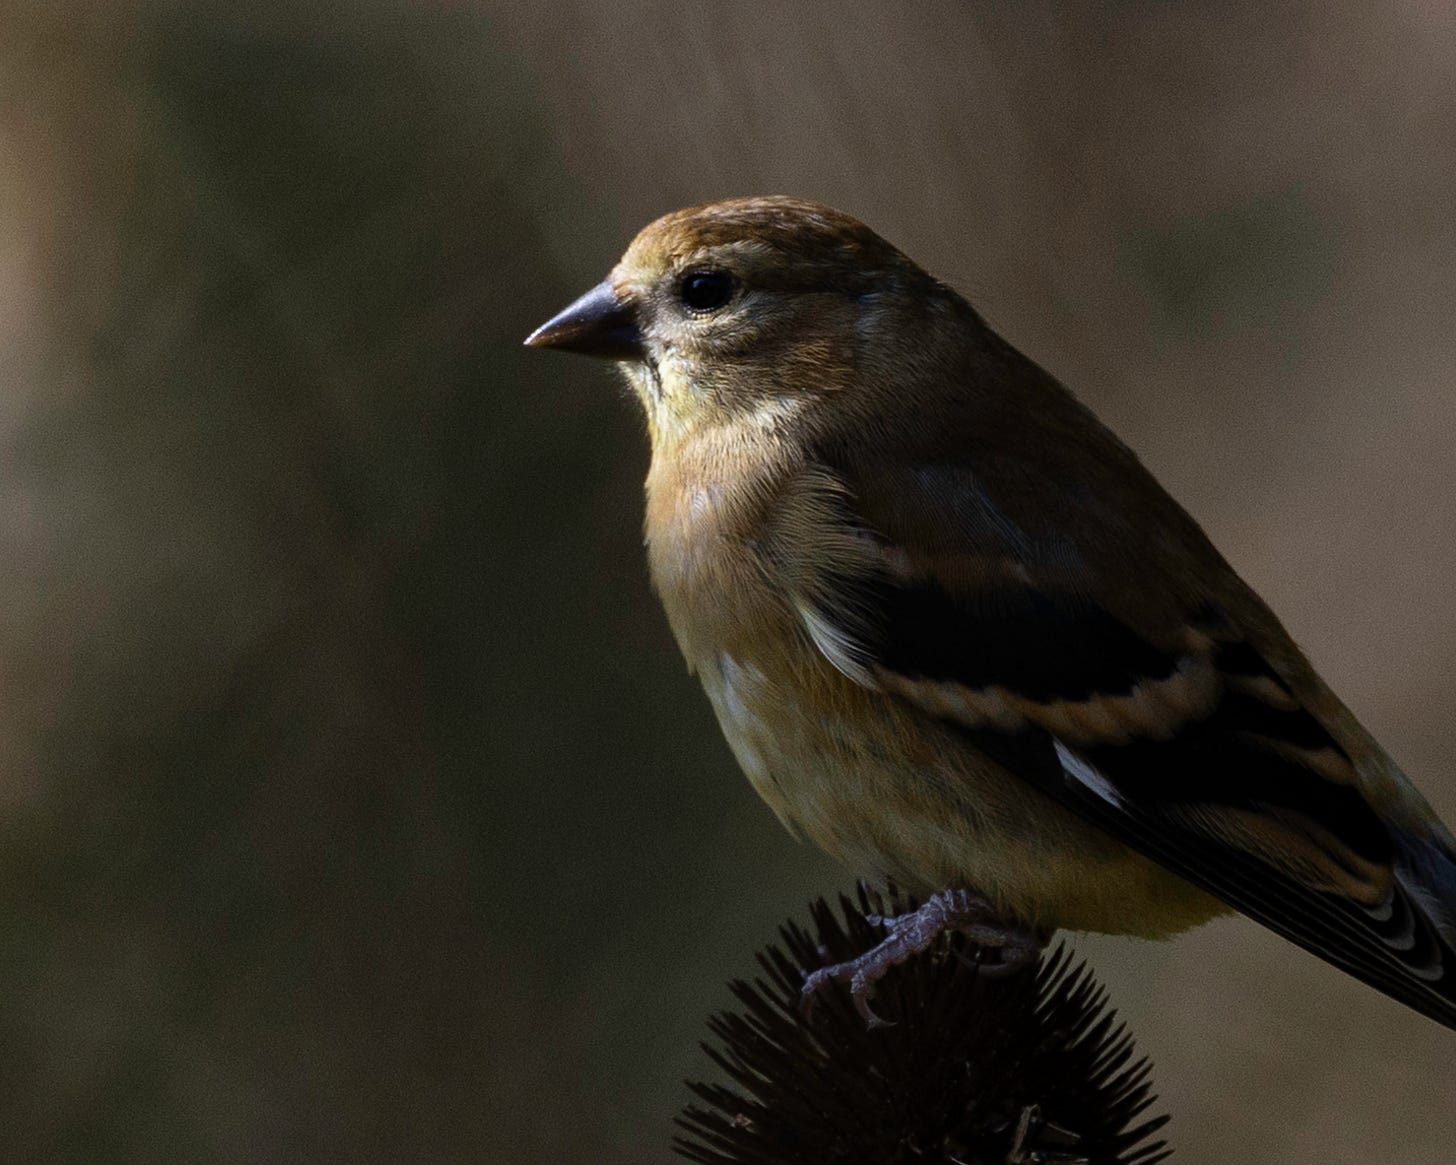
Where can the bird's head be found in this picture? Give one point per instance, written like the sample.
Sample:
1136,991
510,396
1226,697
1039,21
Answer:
750,306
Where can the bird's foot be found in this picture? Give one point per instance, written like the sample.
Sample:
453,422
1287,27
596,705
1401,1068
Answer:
909,934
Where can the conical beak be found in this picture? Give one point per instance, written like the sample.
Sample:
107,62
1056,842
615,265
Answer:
597,324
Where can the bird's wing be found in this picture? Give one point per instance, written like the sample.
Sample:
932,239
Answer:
1170,710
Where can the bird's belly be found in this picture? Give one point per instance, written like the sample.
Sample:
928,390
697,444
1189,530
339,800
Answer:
893,794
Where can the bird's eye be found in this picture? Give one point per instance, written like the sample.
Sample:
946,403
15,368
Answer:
705,291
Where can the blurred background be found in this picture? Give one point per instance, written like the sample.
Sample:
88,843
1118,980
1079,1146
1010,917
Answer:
354,802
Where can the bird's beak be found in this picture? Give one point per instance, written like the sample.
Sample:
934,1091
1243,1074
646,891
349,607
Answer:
597,324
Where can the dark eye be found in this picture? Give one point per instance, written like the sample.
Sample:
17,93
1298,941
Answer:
705,291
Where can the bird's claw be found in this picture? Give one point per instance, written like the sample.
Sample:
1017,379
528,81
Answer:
915,931
861,987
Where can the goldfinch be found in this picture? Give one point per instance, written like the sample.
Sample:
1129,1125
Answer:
958,636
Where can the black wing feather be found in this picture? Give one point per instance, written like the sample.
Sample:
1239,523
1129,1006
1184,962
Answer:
1006,637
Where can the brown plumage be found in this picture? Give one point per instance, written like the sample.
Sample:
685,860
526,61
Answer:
957,635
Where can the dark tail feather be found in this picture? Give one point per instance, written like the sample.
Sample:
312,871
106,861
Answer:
1426,869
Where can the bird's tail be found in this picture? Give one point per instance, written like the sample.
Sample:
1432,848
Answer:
1426,869
1417,924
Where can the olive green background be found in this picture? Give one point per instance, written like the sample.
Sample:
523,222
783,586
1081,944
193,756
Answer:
354,803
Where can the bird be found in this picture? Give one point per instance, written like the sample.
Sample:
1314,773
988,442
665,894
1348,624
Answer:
957,635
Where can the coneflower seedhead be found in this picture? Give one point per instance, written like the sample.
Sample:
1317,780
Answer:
1029,1066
